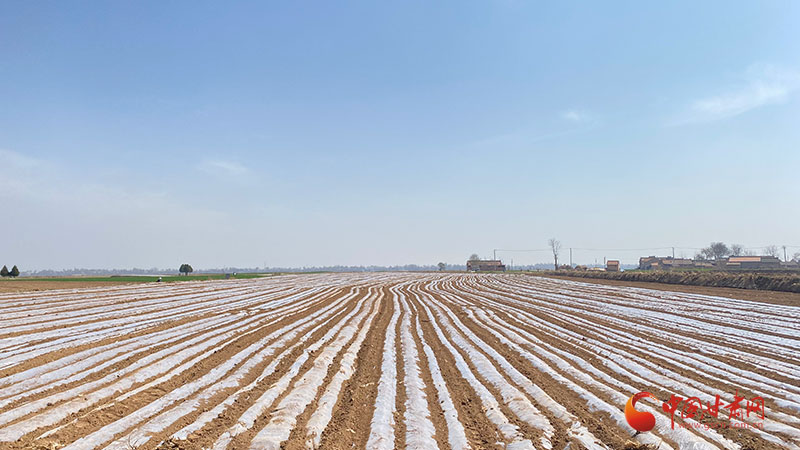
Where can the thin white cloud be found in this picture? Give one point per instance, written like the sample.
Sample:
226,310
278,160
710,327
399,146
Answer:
19,173
574,115
135,227
581,122
221,167
762,85
17,160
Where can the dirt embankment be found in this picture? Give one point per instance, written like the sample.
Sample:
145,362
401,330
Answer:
784,282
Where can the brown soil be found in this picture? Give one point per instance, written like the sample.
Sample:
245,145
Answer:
589,326
31,285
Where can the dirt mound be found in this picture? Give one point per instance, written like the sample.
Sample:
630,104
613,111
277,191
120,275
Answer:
784,282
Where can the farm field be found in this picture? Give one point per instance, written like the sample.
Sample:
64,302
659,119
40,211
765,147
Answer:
47,283
390,360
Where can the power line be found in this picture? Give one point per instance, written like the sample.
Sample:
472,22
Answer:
643,249
630,249
595,249
765,246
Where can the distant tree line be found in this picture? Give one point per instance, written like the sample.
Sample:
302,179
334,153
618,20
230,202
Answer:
338,268
719,250
13,273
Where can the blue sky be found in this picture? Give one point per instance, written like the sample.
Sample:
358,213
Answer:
314,133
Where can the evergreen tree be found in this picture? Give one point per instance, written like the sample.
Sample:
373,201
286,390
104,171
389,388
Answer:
4,271
14,272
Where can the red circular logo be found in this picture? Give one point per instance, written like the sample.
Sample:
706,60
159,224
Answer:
641,421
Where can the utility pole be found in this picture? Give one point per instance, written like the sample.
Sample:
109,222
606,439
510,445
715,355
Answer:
784,254
494,254
570,256
673,252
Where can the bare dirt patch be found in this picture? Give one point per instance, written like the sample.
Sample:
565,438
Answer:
34,285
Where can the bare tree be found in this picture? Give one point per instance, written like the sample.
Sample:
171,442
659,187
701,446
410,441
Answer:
474,257
716,250
441,266
796,257
555,246
772,250
737,250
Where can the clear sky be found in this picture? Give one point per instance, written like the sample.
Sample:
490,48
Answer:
315,133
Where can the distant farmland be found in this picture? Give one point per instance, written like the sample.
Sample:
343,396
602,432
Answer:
142,278
381,361
73,282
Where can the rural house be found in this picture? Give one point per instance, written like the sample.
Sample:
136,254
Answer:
486,265
750,263
665,263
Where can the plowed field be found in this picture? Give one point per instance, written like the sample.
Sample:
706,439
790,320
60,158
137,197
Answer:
382,361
